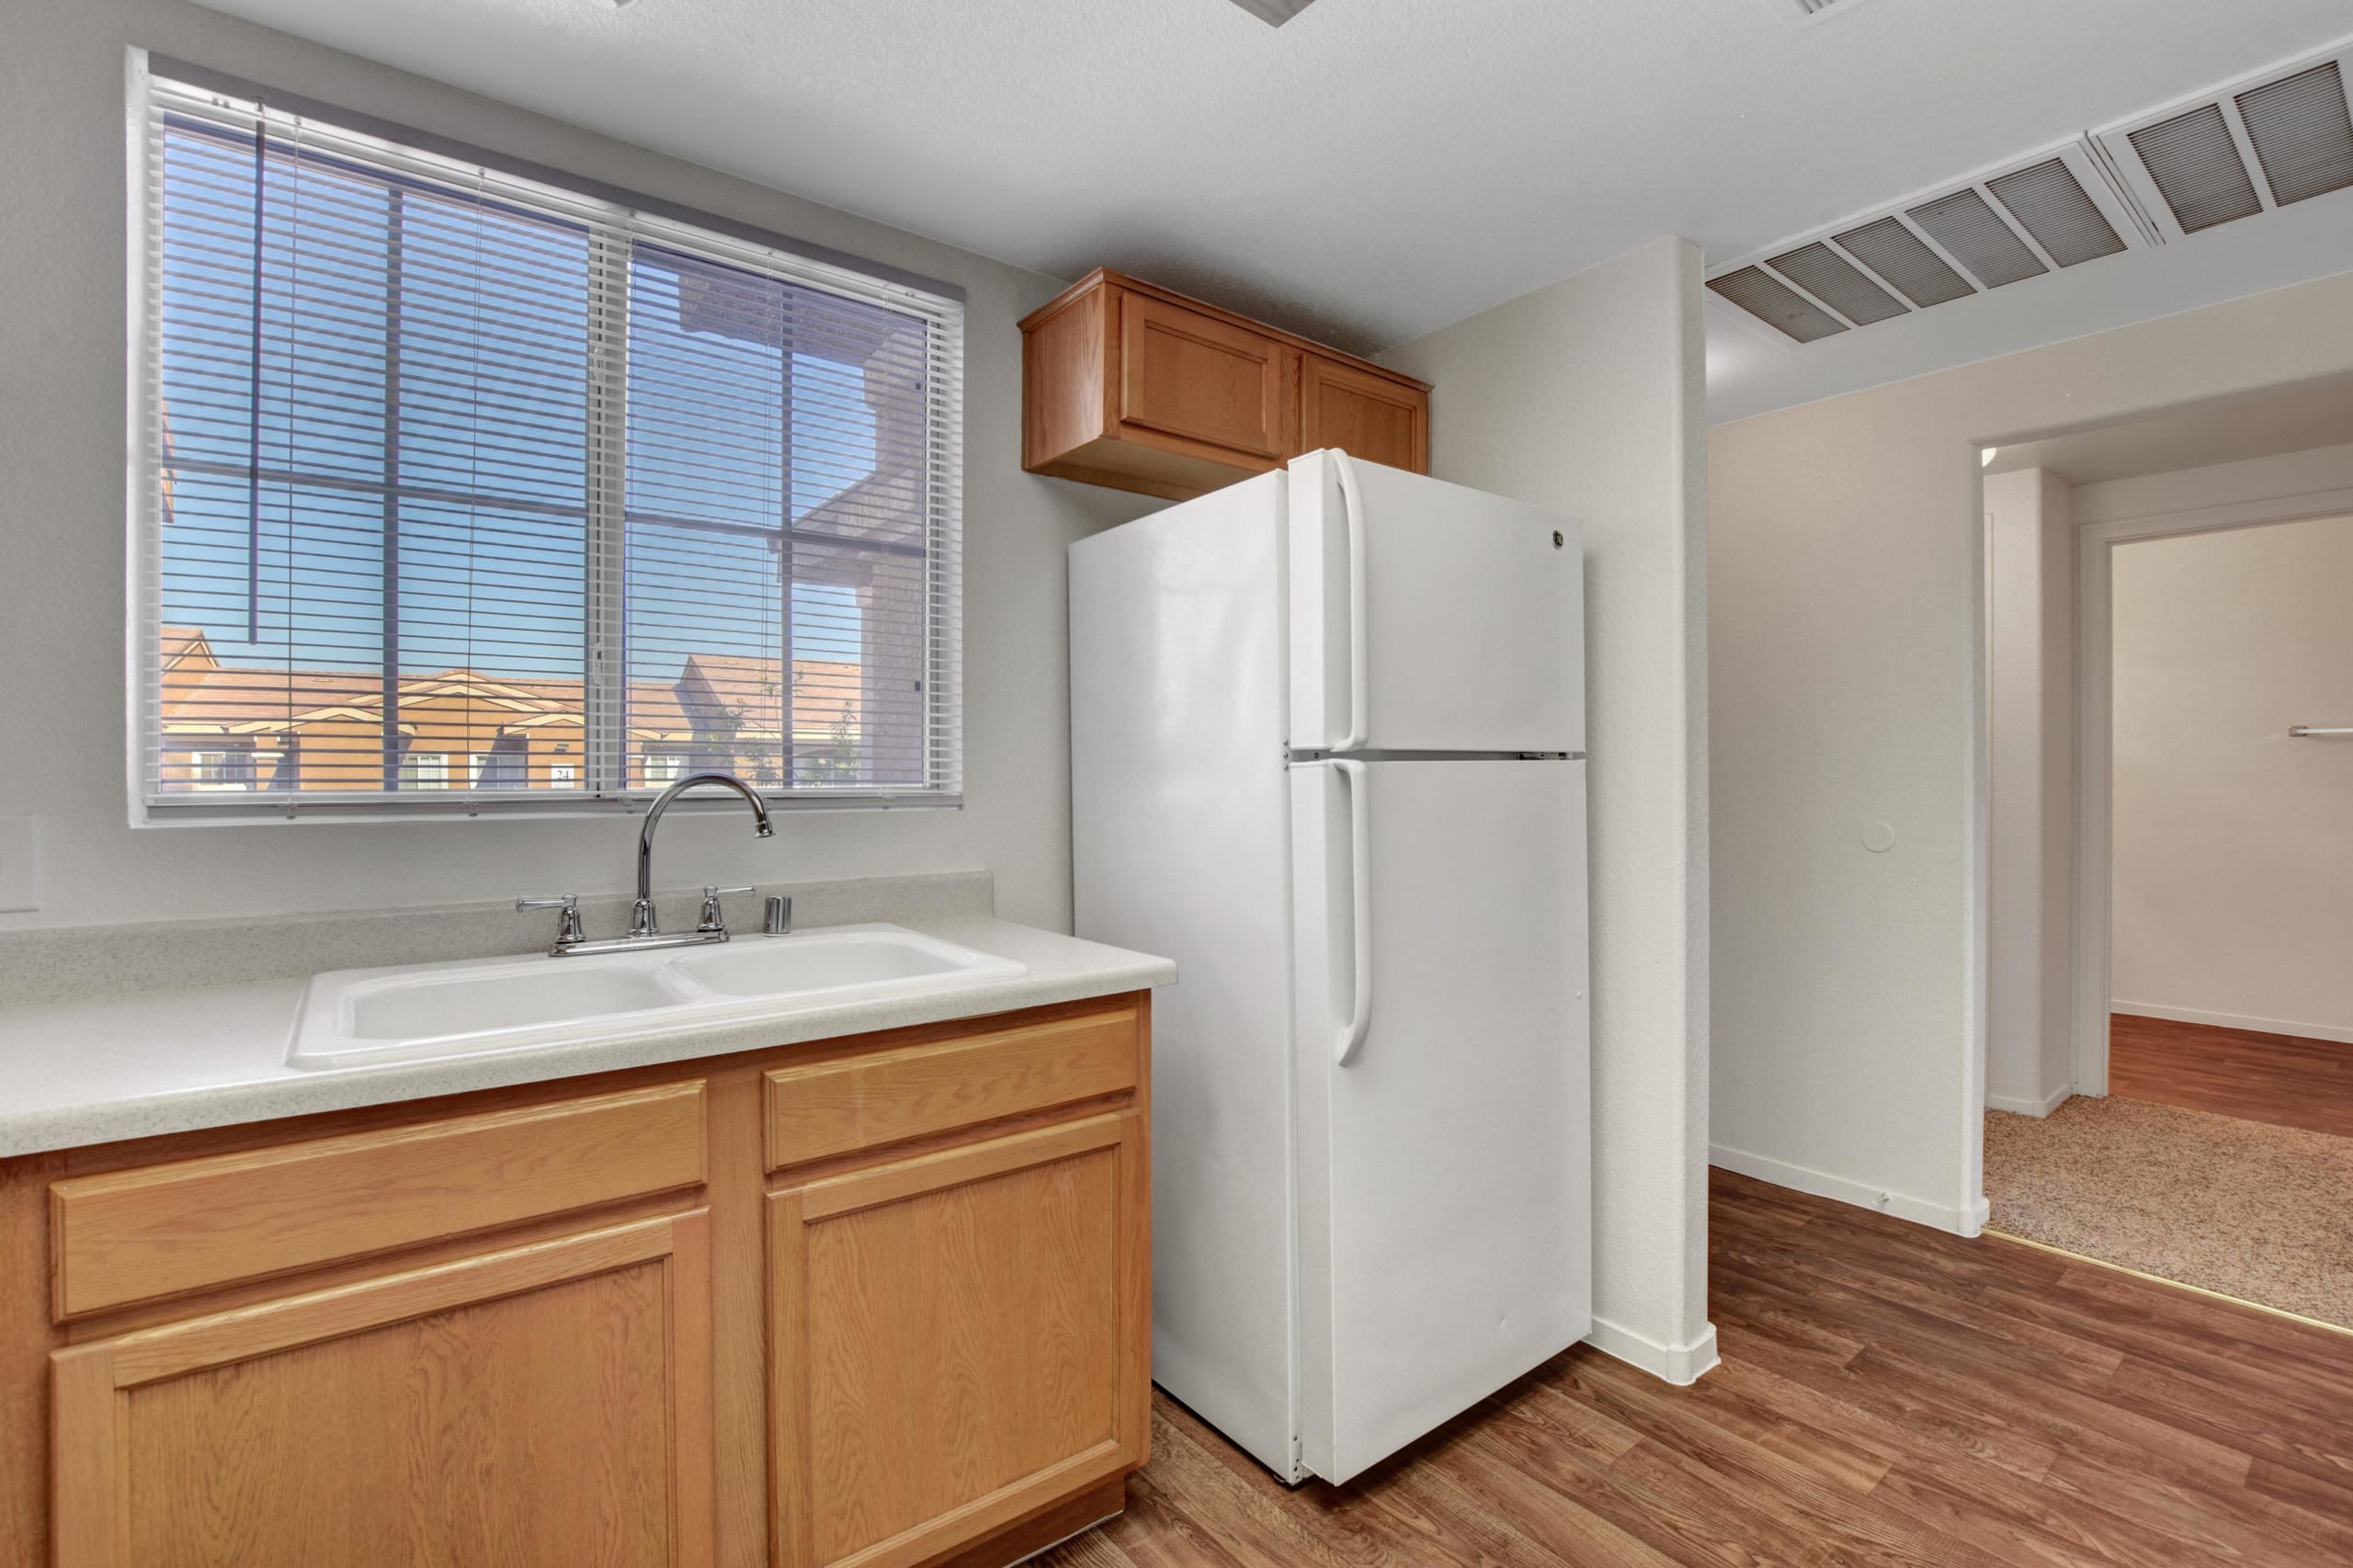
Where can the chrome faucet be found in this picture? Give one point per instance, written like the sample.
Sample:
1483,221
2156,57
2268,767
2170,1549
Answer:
642,923
644,931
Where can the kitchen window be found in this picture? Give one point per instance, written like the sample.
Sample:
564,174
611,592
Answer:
465,487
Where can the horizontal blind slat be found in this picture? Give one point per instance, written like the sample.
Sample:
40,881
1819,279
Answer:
369,540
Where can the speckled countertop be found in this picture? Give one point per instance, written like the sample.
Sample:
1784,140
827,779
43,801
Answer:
98,1068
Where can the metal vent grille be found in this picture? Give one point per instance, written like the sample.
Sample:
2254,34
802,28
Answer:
2196,166
1274,12
1896,254
1832,280
1974,235
1805,13
1777,305
2302,133
2049,204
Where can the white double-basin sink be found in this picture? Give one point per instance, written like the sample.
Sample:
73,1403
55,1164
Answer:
476,1006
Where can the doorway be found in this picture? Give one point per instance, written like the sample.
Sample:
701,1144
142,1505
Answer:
2169,1066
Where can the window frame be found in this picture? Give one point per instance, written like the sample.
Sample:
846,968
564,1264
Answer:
600,784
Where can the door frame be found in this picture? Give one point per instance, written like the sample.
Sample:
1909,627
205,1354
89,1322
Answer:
2094,738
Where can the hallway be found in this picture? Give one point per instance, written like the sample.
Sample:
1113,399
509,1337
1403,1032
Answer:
2282,1079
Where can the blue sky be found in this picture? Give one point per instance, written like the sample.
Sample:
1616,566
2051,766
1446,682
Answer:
491,383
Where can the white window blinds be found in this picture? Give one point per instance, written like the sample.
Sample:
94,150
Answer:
461,490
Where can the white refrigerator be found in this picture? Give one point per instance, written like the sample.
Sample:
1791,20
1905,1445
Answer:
1327,734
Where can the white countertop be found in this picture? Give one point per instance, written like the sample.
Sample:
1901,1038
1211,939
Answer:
100,1069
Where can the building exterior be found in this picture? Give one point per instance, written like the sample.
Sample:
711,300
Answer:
244,728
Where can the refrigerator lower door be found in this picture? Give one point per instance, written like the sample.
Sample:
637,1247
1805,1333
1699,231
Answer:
1442,1090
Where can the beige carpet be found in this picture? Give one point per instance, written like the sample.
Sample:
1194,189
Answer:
2261,1213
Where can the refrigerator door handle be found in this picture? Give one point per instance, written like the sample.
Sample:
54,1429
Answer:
1360,679
1351,1035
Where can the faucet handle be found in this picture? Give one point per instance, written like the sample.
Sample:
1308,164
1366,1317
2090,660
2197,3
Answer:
568,934
711,920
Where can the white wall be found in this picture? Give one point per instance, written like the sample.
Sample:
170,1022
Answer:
1845,635
1586,396
2234,844
61,340
2031,686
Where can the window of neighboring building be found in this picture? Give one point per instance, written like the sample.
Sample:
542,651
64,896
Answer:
567,494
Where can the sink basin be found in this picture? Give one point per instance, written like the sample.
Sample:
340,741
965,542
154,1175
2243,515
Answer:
431,1005
424,1012
823,961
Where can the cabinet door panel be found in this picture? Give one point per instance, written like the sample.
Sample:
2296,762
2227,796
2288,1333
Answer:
541,1407
958,1339
1205,379
1364,416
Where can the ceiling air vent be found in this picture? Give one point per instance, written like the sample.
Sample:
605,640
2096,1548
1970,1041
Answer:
1896,254
2196,165
1274,12
1805,13
2303,133
1774,302
2052,205
1974,234
2266,141
1838,283
2055,208
2269,141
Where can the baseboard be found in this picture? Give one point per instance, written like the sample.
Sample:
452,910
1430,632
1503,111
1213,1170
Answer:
2019,1105
1968,1222
2339,1034
1681,1364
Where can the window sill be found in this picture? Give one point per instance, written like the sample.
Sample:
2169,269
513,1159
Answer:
209,810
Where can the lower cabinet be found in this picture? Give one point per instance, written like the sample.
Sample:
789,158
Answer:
882,1301
958,1341
543,1406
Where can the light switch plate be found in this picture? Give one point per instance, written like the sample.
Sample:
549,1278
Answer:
19,864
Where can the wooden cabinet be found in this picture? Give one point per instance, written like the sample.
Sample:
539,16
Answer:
160,1230
959,1340
879,1300
1375,417
538,1407
1129,385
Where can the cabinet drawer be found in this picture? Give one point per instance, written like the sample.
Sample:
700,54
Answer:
162,1230
818,1109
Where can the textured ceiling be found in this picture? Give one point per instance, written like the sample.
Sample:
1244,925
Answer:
1371,171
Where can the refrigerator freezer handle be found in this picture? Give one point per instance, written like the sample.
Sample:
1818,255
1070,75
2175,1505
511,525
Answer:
1352,1036
1359,681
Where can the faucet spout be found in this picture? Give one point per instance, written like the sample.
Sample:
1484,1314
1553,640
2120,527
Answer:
642,922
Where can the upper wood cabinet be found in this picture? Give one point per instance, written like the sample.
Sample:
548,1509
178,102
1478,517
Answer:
1129,386
1376,418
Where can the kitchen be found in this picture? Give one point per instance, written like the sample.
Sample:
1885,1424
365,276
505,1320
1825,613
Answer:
184,1193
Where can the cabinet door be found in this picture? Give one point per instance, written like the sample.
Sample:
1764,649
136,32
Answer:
956,1340
1364,416
543,1406
1192,375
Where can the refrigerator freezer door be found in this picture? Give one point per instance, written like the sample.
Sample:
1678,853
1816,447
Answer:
1444,1169
1425,617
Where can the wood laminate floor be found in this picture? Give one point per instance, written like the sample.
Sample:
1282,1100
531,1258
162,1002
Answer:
2285,1080
1889,1395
